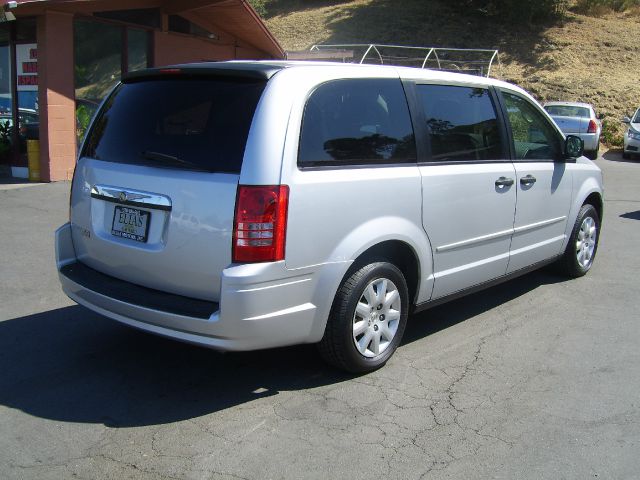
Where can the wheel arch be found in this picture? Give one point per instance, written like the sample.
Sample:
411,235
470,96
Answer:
396,239
336,347
398,253
410,252
595,199
590,191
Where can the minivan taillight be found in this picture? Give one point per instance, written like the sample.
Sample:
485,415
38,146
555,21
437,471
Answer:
260,223
593,126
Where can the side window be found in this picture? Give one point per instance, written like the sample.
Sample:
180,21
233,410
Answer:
357,121
534,138
462,123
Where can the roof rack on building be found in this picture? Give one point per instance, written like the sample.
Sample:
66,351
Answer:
473,61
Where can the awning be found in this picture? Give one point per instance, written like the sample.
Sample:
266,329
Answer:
233,17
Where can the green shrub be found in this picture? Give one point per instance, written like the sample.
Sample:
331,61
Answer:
611,134
260,6
5,140
83,117
520,11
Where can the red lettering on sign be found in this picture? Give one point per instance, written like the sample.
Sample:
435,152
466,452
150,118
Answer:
28,80
33,53
30,67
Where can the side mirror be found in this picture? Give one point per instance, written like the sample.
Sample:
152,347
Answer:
600,116
573,146
626,120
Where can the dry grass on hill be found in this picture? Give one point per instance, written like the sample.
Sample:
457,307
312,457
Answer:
596,60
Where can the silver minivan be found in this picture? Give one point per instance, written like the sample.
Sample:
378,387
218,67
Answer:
250,205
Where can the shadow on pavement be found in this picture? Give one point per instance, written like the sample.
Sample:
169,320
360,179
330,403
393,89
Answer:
632,215
11,183
73,365
444,316
8,180
616,156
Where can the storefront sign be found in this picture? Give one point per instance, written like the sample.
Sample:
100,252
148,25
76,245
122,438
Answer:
27,66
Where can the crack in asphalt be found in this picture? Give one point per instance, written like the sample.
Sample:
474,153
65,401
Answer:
397,419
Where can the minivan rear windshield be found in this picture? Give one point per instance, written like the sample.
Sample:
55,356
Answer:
186,123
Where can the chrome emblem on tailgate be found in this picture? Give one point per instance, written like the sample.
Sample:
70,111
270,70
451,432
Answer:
154,201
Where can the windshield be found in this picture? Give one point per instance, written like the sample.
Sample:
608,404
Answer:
188,123
567,111
636,118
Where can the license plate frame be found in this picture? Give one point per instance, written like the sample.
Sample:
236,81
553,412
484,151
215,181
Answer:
136,228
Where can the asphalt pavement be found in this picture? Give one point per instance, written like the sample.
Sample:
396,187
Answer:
538,378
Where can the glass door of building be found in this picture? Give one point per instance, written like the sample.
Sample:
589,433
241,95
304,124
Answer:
6,102
19,113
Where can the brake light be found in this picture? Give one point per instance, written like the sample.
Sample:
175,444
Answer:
260,223
593,126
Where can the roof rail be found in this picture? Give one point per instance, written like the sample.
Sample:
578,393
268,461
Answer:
474,61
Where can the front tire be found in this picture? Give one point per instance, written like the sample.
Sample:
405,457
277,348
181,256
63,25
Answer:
367,319
583,243
626,155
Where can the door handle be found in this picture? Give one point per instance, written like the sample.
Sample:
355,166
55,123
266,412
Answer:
528,180
504,182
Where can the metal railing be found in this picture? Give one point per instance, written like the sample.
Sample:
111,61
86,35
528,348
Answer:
465,60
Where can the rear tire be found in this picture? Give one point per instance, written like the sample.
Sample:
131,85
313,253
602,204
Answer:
593,155
583,243
367,320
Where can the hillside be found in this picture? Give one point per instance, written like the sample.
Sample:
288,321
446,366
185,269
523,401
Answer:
596,60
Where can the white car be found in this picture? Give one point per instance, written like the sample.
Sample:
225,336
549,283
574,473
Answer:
264,204
632,135
580,119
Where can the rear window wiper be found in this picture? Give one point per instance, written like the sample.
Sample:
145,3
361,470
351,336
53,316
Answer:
163,157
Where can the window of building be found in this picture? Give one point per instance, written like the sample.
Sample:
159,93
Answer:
26,30
180,24
146,17
137,49
534,138
462,123
19,113
103,53
98,58
6,97
357,121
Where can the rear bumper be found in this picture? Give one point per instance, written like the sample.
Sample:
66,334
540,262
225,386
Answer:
590,141
261,305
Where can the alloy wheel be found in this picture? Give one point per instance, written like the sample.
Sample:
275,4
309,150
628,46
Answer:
376,318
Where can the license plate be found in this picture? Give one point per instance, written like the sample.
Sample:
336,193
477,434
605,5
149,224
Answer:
130,223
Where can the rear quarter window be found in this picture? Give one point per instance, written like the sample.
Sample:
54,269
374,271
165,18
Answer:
356,122
188,123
